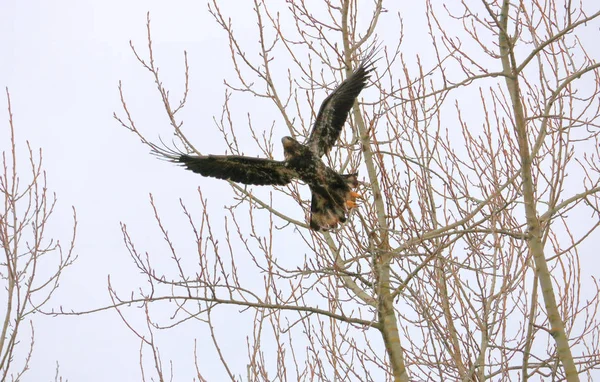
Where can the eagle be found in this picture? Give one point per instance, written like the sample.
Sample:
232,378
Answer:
332,193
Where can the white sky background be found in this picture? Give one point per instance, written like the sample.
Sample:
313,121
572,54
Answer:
62,61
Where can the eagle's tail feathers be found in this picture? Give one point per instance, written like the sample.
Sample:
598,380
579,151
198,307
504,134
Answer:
325,214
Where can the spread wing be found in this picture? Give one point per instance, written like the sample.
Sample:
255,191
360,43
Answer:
240,169
236,168
334,110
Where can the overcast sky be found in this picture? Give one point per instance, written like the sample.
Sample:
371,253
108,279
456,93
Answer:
62,61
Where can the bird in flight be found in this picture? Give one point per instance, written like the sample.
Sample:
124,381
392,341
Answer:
332,194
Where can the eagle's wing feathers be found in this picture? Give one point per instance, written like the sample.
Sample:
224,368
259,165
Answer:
334,110
242,169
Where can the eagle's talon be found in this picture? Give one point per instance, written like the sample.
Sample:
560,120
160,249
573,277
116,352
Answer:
351,204
355,195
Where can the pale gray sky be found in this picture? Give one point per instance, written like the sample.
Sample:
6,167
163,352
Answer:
62,61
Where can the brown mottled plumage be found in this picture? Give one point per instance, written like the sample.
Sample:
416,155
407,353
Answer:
332,195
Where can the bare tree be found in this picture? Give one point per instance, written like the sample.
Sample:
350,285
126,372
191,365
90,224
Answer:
32,263
467,260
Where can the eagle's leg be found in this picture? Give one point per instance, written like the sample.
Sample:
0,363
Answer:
355,195
352,181
351,201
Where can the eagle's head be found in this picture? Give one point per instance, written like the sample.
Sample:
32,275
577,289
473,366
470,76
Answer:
291,148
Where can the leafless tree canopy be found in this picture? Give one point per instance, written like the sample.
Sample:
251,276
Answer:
32,263
472,255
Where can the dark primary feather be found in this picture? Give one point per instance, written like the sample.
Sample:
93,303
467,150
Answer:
334,110
240,169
